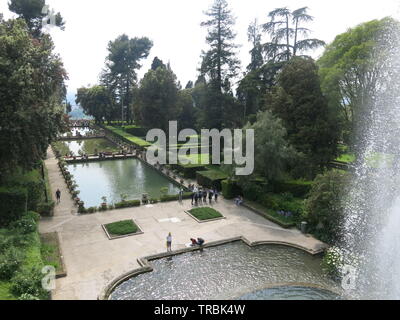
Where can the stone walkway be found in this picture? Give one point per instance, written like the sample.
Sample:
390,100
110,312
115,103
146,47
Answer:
93,261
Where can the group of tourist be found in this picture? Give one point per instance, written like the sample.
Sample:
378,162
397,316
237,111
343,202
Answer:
239,200
201,194
286,214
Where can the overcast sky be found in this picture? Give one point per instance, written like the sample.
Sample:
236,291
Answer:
174,27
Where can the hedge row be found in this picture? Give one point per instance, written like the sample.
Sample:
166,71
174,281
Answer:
211,178
230,189
13,204
188,171
136,131
166,198
297,188
127,204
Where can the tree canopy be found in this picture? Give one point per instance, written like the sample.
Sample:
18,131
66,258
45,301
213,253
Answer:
310,123
120,74
284,28
32,11
354,68
31,94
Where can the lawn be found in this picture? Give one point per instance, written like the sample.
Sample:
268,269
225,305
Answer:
195,159
204,214
122,228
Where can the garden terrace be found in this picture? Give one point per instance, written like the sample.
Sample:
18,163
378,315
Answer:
125,136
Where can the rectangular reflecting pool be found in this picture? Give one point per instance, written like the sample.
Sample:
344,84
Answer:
115,177
88,146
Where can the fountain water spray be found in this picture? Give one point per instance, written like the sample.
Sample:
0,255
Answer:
371,228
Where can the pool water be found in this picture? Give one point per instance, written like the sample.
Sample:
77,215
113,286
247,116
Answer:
231,271
88,146
115,177
295,292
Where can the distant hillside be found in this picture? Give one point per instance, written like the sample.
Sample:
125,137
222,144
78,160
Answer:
77,113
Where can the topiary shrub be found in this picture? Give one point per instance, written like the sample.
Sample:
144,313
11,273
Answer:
46,209
13,202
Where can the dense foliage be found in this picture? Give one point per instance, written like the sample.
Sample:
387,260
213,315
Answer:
31,93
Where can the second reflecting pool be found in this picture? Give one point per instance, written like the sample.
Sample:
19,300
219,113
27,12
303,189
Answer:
115,177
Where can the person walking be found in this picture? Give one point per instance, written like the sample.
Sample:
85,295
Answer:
192,197
169,242
58,195
180,195
216,195
210,195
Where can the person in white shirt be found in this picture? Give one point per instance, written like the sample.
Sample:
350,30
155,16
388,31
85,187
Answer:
169,242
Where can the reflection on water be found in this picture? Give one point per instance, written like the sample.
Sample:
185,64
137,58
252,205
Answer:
89,146
291,293
115,177
82,131
223,272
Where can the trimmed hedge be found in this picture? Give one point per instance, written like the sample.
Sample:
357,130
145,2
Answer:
127,204
230,189
175,197
136,131
297,188
13,204
46,209
211,178
189,171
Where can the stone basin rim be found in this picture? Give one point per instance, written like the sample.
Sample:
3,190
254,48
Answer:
147,267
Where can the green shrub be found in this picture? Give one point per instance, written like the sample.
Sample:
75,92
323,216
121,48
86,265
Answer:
25,225
270,203
27,296
46,209
121,228
253,192
297,188
91,210
332,262
230,189
127,204
10,261
13,202
29,282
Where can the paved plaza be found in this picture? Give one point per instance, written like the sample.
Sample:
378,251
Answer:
93,261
